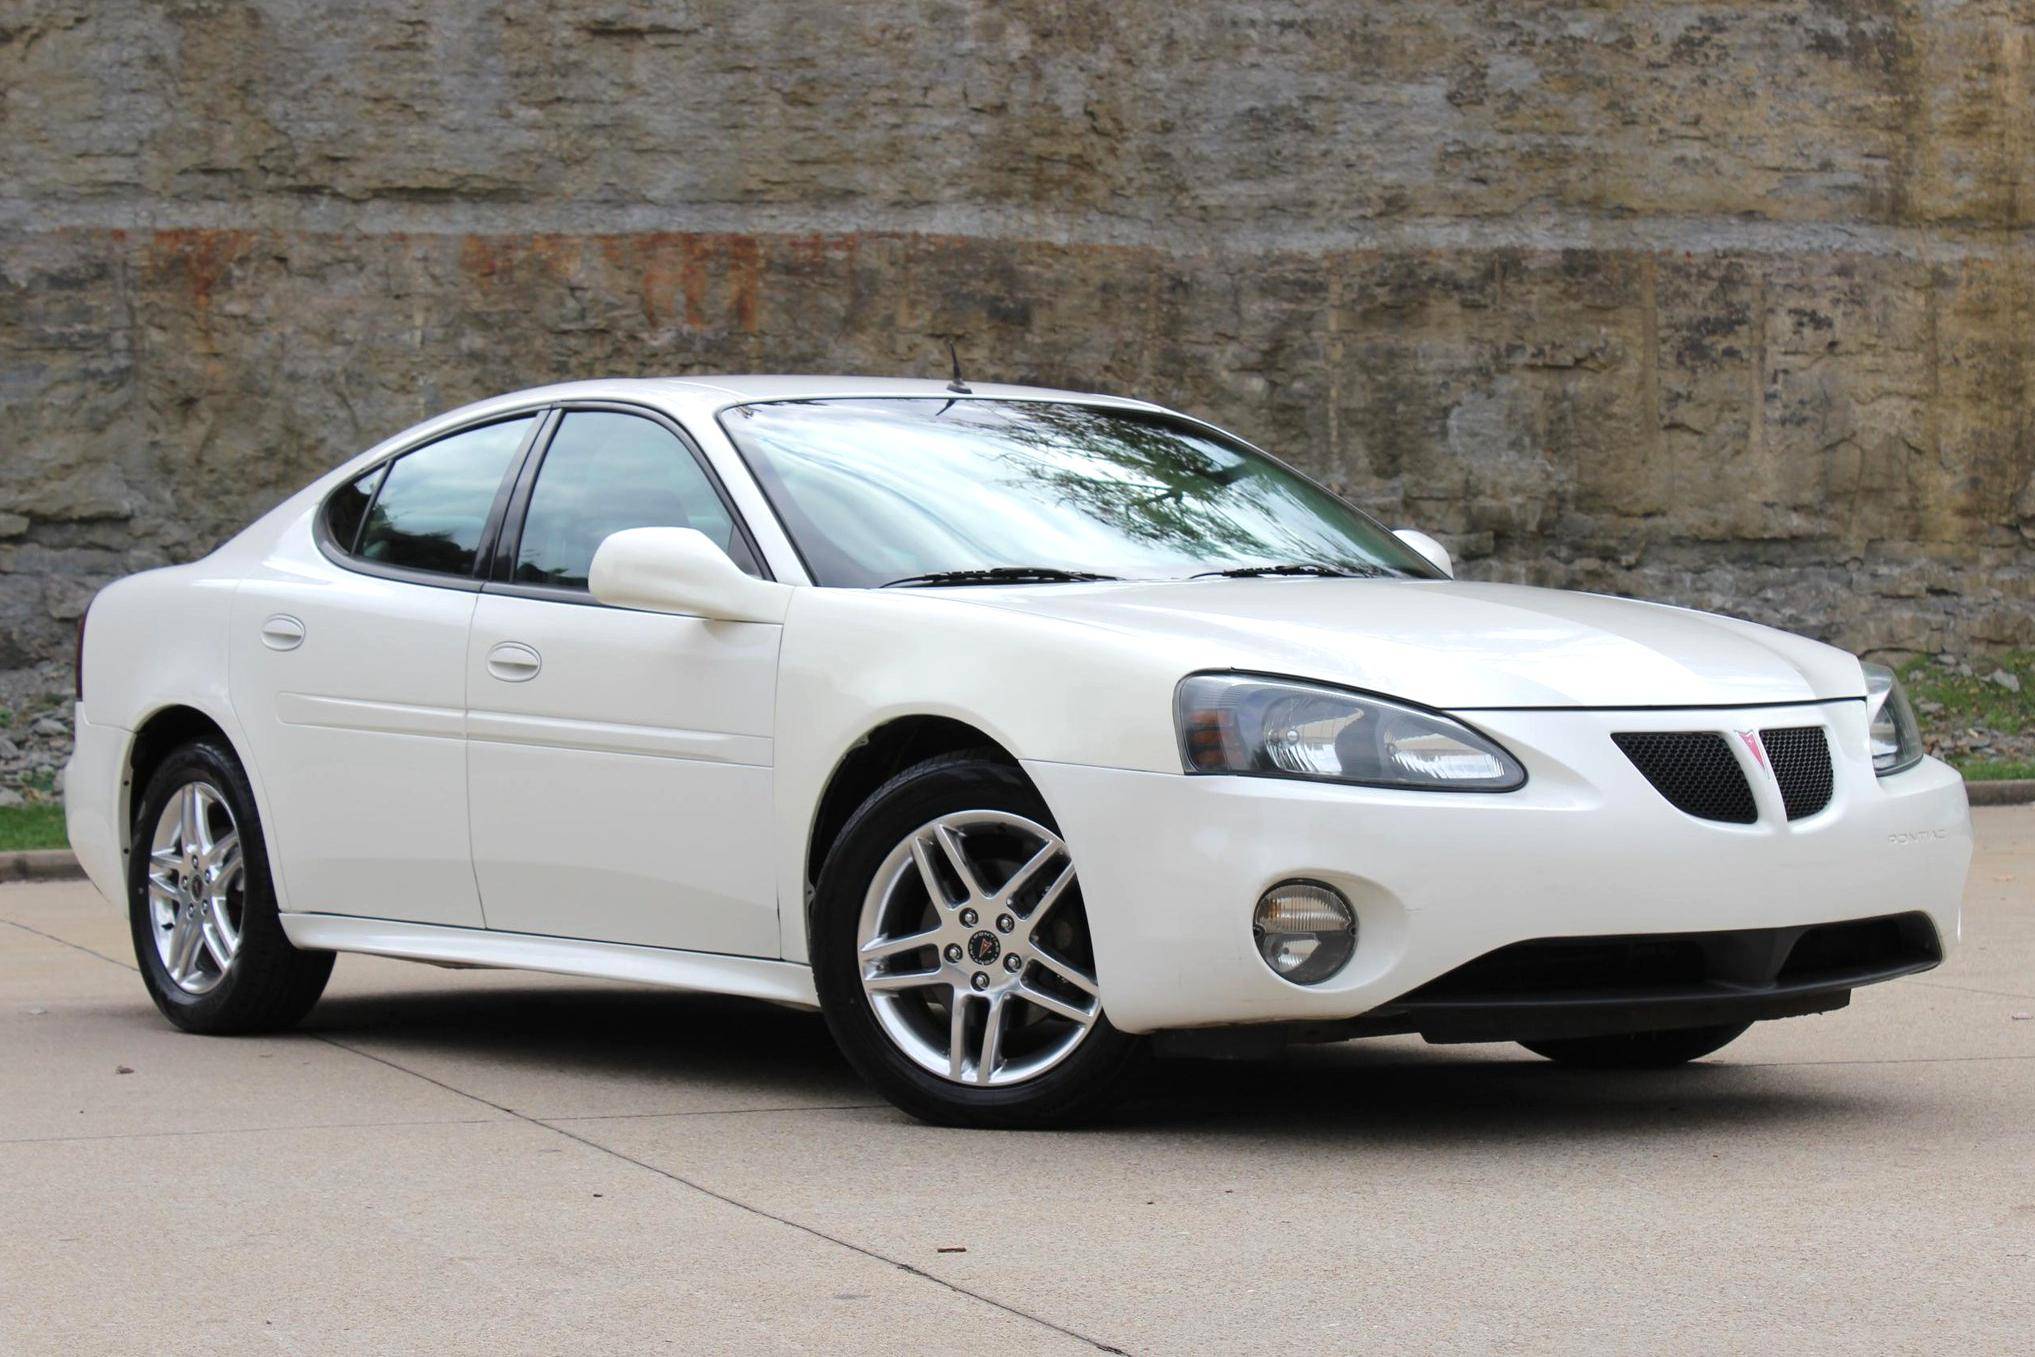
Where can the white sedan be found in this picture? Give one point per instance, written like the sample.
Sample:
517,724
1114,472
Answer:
1011,728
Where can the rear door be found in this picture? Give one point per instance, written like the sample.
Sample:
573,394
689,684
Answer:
348,670
619,761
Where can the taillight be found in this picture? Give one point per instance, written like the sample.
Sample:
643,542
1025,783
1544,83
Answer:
79,670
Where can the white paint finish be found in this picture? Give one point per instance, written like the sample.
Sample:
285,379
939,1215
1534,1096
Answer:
1173,864
614,738
282,632
360,727
93,779
1458,645
679,570
655,780
383,718
1432,551
856,659
623,791
512,663
778,981
153,641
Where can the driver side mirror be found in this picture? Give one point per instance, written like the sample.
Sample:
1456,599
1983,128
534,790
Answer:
1434,552
678,570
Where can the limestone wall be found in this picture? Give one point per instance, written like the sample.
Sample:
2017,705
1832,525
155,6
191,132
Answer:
1724,304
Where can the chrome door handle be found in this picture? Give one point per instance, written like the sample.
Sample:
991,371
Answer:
282,632
514,662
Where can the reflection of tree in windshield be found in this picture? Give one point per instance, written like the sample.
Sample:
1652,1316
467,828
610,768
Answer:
876,489
1154,482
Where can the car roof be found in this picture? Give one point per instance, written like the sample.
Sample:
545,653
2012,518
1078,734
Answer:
769,386
735,389
706,395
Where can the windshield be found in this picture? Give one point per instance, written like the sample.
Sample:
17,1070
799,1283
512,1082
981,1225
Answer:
880,491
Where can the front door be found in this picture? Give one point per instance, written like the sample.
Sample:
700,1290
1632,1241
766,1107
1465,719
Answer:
618,762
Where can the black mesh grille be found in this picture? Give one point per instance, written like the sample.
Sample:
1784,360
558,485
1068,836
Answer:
1801,760
1694,770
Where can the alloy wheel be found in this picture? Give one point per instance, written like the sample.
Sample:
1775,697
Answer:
974,950
196,888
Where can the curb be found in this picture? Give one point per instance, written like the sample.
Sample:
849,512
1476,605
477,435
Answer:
51,864
2005,792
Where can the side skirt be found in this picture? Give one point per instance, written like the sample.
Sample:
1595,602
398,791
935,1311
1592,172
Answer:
784,982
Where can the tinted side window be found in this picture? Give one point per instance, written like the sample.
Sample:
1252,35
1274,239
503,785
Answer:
348,506
606,472
434,502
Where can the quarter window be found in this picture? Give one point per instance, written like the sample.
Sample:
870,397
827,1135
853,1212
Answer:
606,472
434,502
348,506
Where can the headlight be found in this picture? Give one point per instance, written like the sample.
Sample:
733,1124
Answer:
1896,741
1240,723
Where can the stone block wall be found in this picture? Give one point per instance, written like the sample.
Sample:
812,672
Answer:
1731,304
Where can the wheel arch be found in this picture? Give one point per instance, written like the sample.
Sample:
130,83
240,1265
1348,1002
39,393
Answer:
162,732
166,729
879,755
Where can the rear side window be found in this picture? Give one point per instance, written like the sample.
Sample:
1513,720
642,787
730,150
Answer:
434,502
606,472
348,507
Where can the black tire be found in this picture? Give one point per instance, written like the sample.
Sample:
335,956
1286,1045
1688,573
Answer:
270,984
1069,1093
1639,1050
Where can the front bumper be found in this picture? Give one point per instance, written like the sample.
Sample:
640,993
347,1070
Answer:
1581,987
1172,865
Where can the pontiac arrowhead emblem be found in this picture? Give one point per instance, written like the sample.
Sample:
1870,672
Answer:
1755,748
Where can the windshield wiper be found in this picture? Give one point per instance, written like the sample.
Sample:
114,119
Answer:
1251,572
1002,574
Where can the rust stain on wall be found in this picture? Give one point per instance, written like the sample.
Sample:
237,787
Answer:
203,259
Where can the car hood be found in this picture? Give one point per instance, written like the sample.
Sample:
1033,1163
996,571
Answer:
1458,645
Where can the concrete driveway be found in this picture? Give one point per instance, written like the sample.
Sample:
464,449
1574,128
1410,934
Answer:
480,1162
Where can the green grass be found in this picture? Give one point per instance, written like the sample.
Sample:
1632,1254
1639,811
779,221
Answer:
1976,702
1994,770
39,825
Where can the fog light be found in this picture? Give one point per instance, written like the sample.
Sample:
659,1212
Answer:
1306,931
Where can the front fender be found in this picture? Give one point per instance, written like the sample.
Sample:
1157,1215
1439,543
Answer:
1042,688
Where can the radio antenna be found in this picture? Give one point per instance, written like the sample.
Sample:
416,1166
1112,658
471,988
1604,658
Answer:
957,386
